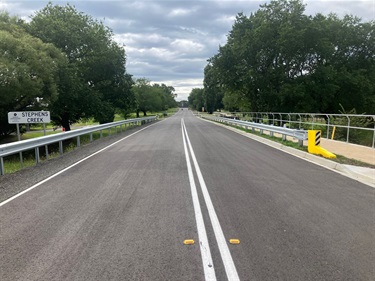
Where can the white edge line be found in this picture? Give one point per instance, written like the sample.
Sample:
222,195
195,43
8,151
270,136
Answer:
209,271
67,168
230,268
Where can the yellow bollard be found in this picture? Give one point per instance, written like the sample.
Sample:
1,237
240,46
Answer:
333,132
313,144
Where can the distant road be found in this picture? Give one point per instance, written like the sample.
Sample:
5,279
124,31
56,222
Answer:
124,213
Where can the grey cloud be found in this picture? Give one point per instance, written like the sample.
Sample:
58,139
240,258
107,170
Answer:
170,41
364,9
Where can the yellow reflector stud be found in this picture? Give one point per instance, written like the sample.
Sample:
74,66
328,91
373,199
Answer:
189,242
234,241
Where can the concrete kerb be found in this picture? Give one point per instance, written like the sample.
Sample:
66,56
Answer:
334,166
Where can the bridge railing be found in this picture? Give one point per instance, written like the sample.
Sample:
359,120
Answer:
298,134
36,143
351,128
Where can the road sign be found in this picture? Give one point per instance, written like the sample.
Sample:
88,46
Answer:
28,117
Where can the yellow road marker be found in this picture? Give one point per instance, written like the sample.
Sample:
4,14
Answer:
234,241
189,242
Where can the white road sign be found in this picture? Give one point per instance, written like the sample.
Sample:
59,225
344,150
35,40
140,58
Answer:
25,117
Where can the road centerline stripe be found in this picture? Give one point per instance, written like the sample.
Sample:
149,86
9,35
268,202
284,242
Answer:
230,268
209,271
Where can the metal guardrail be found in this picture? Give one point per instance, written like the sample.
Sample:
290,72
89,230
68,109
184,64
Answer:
327,122
301,135
36,143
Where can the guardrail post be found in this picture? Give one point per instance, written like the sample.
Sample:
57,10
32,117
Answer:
78,141
2,170
37,158
101,133
61,148
109,131
328,124
46,148
347,136
91,137
21,159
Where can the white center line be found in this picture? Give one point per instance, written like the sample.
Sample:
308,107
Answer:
230,268
209,271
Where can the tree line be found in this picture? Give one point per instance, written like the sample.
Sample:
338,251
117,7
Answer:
67,62
280,60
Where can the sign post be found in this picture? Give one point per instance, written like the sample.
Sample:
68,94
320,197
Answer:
29,117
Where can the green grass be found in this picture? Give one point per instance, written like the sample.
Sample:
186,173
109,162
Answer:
32,134
12,165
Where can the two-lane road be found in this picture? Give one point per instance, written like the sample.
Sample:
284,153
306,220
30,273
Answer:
124,213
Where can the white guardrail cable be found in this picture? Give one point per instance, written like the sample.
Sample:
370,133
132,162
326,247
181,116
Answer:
35,143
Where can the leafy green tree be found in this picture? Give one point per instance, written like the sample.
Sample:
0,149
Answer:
29,71
183,103
148,98
98,84
167,95
196,99
151,98
279,59
213,93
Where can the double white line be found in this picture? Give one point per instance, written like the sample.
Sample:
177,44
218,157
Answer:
208,266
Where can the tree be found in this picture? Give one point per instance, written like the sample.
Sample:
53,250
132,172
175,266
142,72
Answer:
183,103
213,93
167,95
195,99
153,97
96,76
29,71
279,59
148,98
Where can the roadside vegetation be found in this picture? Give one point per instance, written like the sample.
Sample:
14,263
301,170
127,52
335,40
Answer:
66,62
278,59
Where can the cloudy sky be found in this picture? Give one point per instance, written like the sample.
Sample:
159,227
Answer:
169,41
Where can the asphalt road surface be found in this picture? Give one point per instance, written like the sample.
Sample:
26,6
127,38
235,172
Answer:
124,213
